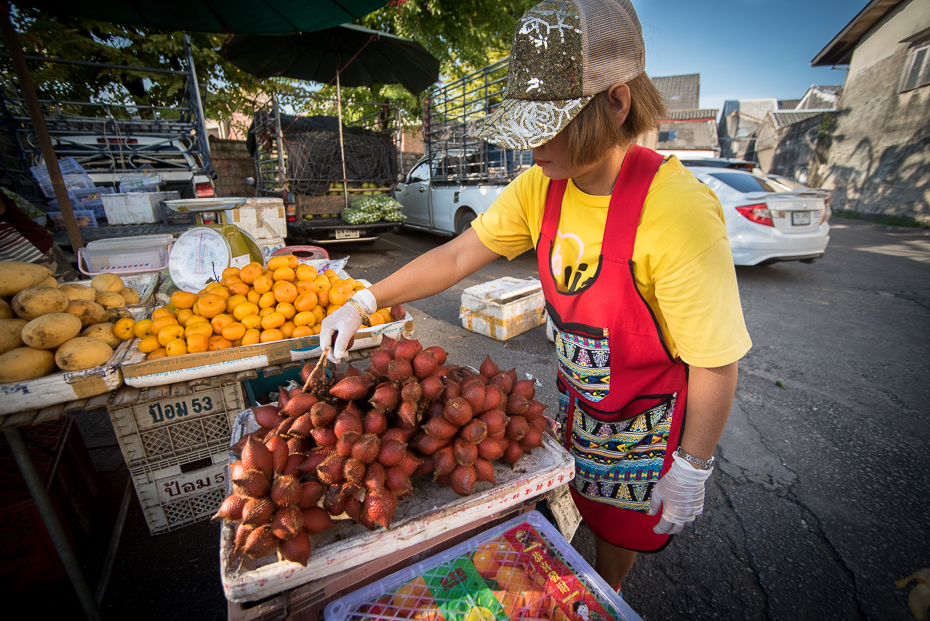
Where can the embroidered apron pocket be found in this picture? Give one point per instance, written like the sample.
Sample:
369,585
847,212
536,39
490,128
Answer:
584,360
618,461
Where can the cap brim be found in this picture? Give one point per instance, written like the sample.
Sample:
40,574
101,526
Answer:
526,124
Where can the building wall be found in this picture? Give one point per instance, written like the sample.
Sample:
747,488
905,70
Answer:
233,164
787,151
688,135
879,158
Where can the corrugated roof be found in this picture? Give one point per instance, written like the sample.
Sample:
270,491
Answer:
788,104
691,115
784,118
836,89
682,92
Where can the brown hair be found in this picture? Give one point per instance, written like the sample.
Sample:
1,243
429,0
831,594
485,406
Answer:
594,131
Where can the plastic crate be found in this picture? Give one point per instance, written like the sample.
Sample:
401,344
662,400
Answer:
160,433
136,207
86,199
522,569
85,219
73,174
126,255
27,555
178,500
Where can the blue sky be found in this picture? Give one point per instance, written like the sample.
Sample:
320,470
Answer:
744,49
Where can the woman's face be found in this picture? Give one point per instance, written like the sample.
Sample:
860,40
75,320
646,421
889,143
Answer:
553,157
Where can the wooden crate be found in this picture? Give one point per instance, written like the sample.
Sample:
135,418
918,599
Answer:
319,205
307,602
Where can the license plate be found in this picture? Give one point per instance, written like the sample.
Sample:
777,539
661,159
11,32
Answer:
800,218
352,234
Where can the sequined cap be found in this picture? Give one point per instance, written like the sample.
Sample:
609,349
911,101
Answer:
563,53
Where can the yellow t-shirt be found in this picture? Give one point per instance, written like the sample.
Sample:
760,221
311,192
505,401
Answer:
682,262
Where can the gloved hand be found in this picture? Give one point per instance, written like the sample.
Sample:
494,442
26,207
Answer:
344,323
680,493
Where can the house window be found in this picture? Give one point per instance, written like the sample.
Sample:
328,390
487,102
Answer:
918,67
668,136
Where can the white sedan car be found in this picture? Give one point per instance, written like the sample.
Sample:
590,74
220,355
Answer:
767,222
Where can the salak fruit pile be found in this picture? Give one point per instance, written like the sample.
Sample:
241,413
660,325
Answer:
351,443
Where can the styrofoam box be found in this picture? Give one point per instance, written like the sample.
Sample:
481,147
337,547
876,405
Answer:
262,218
177,427
503,308
182,499
125,255
522,569
135,207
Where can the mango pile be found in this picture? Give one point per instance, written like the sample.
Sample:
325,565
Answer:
46,326
255,304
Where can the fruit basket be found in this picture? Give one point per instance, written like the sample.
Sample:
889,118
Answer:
522,569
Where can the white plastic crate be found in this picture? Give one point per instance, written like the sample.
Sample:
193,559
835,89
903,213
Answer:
503,308
176,429
522,569
182,499
135,207
126,255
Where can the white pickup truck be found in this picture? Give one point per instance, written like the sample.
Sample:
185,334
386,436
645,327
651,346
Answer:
443,207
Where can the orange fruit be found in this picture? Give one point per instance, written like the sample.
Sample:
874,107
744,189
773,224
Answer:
292,261
358,286
233,300
183,314
286,293
199,328
266,311
236,343
183,299
149,344
250,272
251,337
233,331
285,273
211,305
262,284
278,262
157,353
322,297
267,300
253,296
271,335
196,343
304,318
161,322
161,312
221,291
306,300
269,273
194,319
339,294
251,321
176,347
221,321
376,319
330,272
286,309
143,328
230,271
305,285
287,329
332,308
305,272
273,320
169,333
301,331
239,288
244,310
316,329
323,282
320,313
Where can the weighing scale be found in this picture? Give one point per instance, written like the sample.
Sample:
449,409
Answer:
201,253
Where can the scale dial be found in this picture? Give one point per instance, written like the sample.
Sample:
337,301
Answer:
197,257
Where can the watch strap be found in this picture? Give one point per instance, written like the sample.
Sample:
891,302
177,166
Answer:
361,312
705,464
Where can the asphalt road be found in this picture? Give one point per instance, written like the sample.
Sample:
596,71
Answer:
821,496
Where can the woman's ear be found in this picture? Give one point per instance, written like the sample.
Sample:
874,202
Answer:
619,97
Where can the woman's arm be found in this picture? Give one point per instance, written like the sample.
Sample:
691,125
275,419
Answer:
710,395
435,271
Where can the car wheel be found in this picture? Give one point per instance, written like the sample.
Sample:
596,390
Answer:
400,230
464,222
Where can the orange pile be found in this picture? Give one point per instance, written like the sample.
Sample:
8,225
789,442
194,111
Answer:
255,304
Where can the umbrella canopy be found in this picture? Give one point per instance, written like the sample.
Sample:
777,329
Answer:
231,16
364,56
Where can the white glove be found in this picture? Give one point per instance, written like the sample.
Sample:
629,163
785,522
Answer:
345,322
681,494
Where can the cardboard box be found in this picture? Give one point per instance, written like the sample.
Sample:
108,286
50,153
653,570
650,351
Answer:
143,373
262,218
269,245
503,308
136,207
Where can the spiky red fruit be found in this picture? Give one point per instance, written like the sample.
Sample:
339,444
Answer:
431,387
465,452
301,404
473,392
260,543
379,362
354,508
407,413
458,411
406,349
399,370
474,432
256,456
294,461
452,389
345,444
324,436
252,484
285,490
516,405
375,422
517,428
380,507
354,470
534,411
302,426
489,368
296,444
279,449
484,471
388,344
287,522
426,466
346,422
444,461
440,428
231,509
330,471
513,453
267,416
525,388
297,549
242,535
335,500
396,433
502,381
374,477
532,439
322,414
398,312
409,463
350,389
367,448
424,364
310,494
391,452
438,353
463,480
495,420
386,397
398,482
316,520
315,458
492,449
428,445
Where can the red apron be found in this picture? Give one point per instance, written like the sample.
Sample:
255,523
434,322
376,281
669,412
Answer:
621,394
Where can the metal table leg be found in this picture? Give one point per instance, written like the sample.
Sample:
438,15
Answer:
14,438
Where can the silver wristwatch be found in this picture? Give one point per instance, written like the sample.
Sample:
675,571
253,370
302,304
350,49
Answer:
705,464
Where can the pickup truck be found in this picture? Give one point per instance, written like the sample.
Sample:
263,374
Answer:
460,175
